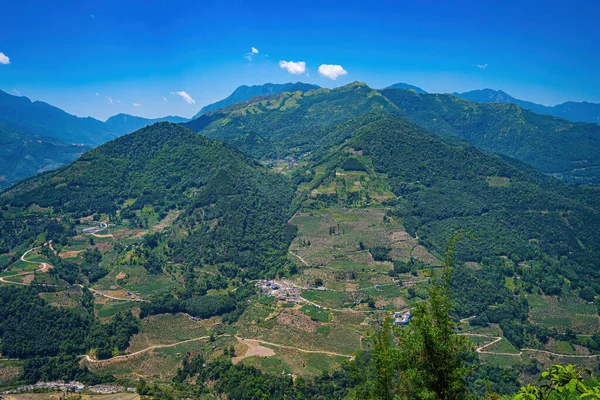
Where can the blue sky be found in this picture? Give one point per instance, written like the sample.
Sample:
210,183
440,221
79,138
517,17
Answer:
99,58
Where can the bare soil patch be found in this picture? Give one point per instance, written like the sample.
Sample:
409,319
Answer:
253,348
299,320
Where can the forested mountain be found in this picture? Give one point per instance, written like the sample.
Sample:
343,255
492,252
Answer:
121,124
553,145
402,85
244,93
277,125
23,155
571,110
167,166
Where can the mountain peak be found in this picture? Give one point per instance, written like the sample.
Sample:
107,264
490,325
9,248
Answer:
402,85
245,92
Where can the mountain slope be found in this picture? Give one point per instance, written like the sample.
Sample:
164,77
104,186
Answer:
121,124
23,155
401,85
571,110
290,122
232,210
244,93
39,118
553,145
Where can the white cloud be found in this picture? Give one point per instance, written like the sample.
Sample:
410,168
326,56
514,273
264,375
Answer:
188,99
293,67
15,91
332,71
4,59
110,100
97,94
136,104
482,66
165,99
253,52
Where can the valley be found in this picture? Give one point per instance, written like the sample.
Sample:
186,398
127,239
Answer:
165,253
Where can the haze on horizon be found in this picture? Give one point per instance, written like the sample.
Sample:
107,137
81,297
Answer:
156,59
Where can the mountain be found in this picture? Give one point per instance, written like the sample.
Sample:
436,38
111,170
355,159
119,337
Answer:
121,124
553,145
167,166
401,85
23,155
244,93
290,121
571,110
39,118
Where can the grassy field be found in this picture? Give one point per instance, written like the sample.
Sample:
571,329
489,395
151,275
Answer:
167,329
568,311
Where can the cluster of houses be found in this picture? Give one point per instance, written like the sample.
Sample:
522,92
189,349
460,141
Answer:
402,318
96,229
282,290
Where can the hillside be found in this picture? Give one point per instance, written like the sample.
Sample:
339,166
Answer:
165,167
570,110
245,92
555,146
23,155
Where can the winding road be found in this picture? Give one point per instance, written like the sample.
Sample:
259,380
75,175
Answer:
481,350
161,346
43,268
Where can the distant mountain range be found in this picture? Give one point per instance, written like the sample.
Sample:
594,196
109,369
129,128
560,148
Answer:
244,93
571,110
36,136
401,85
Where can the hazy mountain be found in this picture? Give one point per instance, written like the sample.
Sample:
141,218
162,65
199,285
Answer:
402,85
25,154
571,110
37,137
39,118
121,124
244,93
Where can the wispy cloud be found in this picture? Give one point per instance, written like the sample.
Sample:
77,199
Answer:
15,91
165,99
250,56
110,100
332,71
482,66
188,99
92,16
97,94
293,67
136,104
4,59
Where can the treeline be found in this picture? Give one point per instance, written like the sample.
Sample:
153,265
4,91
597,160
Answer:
230,306
29,327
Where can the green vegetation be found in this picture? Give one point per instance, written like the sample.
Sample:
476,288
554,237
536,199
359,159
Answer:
553,145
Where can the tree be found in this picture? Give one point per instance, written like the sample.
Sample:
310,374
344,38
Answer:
428,360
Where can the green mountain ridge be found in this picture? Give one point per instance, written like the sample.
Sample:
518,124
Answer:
570,110
245,92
